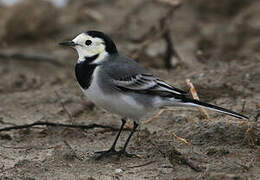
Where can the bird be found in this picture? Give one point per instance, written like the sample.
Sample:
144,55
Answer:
120,85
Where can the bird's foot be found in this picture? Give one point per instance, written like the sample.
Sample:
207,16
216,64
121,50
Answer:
102,154
112,152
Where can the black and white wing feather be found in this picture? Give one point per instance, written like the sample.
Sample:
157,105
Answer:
147,83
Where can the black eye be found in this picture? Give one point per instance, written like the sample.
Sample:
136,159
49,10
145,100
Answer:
88,42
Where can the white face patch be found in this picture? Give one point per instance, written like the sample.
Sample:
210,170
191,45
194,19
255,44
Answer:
88,46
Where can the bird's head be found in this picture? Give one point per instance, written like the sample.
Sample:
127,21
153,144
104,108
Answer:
92,46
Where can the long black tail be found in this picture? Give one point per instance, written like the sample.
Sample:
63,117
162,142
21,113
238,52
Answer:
194,102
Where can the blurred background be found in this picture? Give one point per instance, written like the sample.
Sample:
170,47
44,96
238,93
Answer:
216,44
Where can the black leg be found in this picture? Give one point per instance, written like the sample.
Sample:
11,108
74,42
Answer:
123,150
118,134
112,150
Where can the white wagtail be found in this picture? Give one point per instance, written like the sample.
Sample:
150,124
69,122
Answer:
120,85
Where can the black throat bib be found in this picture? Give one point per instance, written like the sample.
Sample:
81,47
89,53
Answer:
84,71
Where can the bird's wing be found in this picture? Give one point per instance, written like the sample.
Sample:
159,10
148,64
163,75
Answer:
147,83
127,75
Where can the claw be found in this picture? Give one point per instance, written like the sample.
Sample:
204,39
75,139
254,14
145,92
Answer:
112,152
105,153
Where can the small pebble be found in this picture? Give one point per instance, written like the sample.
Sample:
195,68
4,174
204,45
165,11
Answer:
117,171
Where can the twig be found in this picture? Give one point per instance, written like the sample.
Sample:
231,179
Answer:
3,122
31,57
181,139
175,156
142,165
166,35
195,96
154,117
248,134
27,147
156,31
41,123
243,106
169,50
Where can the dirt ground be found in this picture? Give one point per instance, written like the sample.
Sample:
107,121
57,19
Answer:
219,48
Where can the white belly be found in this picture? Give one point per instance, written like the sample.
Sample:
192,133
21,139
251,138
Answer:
120,104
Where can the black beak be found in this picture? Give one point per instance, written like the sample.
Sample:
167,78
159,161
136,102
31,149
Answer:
67,43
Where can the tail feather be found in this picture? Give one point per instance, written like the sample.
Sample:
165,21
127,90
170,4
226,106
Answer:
195,102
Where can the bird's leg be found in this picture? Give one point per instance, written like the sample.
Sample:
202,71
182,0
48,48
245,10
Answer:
123,150
118,134
112,150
